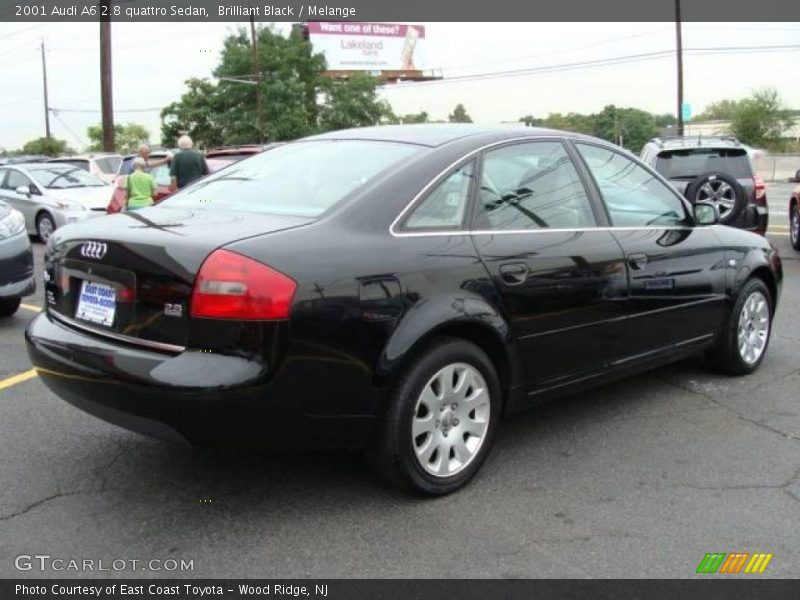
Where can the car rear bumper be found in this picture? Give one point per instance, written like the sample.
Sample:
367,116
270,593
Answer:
753,218
199,397
16,267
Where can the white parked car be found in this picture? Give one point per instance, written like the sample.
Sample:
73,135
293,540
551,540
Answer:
104,166
51,195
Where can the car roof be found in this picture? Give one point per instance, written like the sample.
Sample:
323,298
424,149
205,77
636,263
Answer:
438,134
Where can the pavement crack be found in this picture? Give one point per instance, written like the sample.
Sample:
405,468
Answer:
47,499
786,337
732,411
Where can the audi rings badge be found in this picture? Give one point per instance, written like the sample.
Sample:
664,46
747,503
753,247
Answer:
96,250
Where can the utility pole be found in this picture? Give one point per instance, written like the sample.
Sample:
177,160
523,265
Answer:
46,105
257,73
106,98
680,64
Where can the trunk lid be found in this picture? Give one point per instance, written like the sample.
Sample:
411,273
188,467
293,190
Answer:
131,274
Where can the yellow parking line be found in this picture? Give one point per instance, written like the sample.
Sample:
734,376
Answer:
31,307
15,379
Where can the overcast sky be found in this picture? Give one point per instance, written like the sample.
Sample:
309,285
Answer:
152,60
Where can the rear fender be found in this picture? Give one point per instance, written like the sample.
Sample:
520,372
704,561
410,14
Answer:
469,316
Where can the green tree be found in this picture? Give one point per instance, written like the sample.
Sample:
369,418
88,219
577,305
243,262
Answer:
570,122
531,121
459,115
412,118
126,137
352,102
297,99
629,127
761,119
197,114
722,110
47,146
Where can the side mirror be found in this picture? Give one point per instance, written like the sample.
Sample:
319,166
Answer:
705,213
23,190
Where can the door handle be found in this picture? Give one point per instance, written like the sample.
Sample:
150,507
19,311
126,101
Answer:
514,273
637,261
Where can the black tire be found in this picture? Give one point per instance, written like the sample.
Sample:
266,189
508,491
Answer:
727,356
794,226
394,450
43,221
728,215
8,306
797,176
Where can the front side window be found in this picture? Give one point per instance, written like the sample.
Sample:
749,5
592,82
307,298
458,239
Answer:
634,196
446,205
301,179
532,186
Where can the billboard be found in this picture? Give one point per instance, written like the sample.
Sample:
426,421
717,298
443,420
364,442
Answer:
352,46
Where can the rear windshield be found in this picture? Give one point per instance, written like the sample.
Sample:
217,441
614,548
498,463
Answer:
81,163
62,177
301,179
691,162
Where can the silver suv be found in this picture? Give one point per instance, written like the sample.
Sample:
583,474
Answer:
714,169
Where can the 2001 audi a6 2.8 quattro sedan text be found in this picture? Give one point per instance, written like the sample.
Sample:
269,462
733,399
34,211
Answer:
395,288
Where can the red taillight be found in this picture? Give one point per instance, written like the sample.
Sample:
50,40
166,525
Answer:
760,189
232,286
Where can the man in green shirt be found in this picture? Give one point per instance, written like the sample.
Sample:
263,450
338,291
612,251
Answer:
141,186
187,165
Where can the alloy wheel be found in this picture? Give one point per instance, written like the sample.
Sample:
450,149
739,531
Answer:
44,227
719,193
794,226
451,420
753,331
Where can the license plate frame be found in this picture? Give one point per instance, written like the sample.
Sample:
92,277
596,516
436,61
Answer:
97,303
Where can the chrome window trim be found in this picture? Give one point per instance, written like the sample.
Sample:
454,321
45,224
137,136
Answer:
117,336
471,155
544,230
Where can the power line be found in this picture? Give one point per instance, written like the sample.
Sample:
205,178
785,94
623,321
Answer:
95,111
598,62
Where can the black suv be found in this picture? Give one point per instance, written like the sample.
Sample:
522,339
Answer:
714,169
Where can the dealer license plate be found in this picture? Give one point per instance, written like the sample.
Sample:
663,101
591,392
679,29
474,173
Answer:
97,303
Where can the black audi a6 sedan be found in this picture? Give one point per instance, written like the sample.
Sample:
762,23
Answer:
395,288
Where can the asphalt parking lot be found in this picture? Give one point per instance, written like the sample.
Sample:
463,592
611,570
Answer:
636,479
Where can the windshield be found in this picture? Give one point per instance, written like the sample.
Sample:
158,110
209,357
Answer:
689,163
59,177
300,179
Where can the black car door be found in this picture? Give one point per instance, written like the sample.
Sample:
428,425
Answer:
676,270
561,278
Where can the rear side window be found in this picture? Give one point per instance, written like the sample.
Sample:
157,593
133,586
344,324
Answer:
445,206
532,186
692,162
300,179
